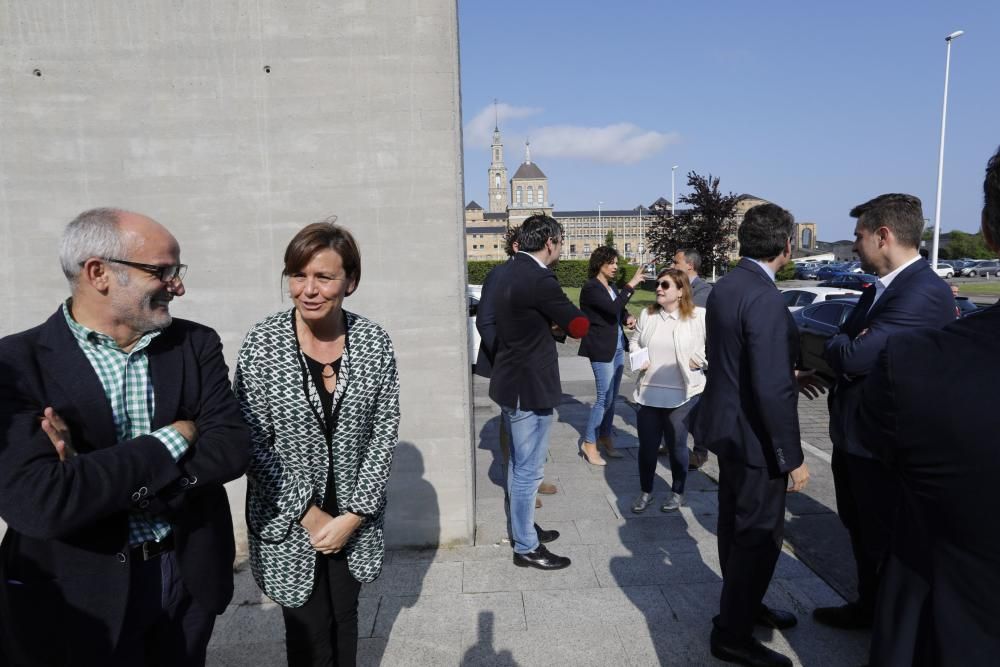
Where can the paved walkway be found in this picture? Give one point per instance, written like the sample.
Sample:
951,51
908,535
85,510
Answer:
641,590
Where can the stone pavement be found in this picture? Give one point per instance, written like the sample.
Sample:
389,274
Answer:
641,590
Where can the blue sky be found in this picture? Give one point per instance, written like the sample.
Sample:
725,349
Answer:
816,106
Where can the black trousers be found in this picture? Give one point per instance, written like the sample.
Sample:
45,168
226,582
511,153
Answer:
324,631
867,498
751,526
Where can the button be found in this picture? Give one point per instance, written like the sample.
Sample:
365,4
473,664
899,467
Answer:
143,491
121,557
184,481
136,497
194,479
144,504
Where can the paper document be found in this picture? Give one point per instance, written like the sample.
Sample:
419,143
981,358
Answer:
638,358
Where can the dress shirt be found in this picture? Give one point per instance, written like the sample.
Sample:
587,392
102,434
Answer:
882,284
767,269
125,378
540,263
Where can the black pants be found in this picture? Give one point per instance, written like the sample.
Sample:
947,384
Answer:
867,496
164,625
324,631
751,525
657,425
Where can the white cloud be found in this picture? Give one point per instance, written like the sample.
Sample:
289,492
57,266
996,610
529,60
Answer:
479,130
621,143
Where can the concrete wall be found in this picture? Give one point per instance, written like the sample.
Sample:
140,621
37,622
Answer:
235,123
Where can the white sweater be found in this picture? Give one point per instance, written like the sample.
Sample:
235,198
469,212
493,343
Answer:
689,344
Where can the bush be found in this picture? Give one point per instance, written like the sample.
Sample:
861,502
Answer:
787,272
477,270
570,272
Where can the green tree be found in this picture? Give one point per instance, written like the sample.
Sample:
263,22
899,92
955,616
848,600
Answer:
708,225
962,244
609,239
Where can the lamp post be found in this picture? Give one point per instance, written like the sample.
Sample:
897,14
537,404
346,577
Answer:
600,227
944,118
673,205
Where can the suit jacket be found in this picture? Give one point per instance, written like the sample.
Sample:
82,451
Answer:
700,291
748,411
486,321
606,317
917,297
928,411
67,541
526,367
291,458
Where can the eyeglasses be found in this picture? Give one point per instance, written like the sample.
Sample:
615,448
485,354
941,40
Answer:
166,274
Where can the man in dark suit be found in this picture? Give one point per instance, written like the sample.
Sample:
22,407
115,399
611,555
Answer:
486,325
118,428
525,378
688,260
928,411
907,295
748,417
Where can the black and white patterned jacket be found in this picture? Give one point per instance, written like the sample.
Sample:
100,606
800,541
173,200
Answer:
289,462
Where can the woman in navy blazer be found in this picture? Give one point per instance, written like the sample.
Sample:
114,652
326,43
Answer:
604,345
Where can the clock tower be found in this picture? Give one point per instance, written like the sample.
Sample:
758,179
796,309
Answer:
497,174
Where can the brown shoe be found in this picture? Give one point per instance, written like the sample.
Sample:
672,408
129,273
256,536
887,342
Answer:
538,502
590,454
547,489
696,460
608,444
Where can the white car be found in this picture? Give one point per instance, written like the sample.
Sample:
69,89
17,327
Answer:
945,270
800,297
472,295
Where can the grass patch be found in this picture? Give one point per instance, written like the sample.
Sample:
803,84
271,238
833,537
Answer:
979,289
640,299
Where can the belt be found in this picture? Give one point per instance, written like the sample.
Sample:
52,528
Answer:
150,550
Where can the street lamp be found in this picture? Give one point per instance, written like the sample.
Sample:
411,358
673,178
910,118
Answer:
944,118
673,204
600,227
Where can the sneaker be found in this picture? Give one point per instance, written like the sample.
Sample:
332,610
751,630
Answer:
673,503
643,501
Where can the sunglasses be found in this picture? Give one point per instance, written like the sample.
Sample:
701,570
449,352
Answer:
664,284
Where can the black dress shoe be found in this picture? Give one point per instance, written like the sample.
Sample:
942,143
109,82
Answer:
546,536
541,558
850,616
750,652
778,619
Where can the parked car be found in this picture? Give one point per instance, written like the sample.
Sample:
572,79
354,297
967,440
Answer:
816,324
965,306
945,269
959,264
806,271
853,267
855,281
828,271
800,297
970,266
987,267
472,294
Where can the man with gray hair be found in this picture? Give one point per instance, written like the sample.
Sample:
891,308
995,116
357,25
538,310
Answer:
688,260
928,412
118,429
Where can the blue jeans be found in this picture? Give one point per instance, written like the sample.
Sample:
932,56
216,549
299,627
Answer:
607,378
656,425
529,445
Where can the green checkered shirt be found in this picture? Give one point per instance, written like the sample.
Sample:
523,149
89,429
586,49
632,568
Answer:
125,378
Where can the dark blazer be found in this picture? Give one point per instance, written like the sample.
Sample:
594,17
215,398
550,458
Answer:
486,321
526,368
748,411
67,540
928,411
606,317
700,291
917,297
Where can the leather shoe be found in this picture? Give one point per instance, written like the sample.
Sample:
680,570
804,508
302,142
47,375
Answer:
778,619
542,559
546,536
547,489
696,460
750,652
850,616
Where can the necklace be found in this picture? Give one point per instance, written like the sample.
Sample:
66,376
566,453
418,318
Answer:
328,367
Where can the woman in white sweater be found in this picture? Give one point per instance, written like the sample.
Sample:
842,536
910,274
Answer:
672,331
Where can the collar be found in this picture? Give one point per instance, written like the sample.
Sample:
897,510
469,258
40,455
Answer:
87,336
887,279
538,261
767,269
665,315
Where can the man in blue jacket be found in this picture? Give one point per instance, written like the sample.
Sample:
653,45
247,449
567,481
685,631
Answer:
907,295
118,428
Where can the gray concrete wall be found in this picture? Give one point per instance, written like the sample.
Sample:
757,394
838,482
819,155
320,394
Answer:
235,123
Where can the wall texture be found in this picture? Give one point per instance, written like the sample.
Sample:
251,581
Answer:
235,123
